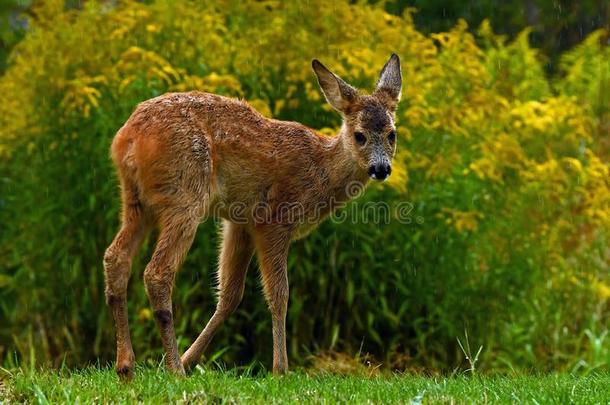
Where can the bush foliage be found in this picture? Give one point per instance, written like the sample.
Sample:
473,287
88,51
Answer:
505,169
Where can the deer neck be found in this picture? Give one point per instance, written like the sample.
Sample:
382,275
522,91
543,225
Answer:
346,179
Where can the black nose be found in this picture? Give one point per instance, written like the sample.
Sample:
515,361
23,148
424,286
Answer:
380,171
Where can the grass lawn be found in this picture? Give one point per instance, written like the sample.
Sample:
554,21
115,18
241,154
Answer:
156,386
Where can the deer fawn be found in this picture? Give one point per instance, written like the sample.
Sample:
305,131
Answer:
182,157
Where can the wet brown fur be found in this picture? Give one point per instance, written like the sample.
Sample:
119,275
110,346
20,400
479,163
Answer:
183,157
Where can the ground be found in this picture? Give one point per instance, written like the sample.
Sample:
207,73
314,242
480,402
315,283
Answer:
95,385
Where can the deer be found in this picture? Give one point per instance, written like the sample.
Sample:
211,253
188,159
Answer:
184,157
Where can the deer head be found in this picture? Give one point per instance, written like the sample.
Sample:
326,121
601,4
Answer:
368,127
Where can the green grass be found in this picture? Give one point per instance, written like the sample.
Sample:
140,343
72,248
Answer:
156,386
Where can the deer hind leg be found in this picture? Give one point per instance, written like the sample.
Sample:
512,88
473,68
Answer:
236,253
272,251
117,267
177,231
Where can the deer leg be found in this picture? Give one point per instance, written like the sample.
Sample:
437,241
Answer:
117,267
175,238
235,255
272,251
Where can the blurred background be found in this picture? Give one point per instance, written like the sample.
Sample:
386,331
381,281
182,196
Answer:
503,156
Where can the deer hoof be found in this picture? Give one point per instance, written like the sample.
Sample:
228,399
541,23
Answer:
177,369
125,372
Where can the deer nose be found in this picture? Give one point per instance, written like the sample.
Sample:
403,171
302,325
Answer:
380,171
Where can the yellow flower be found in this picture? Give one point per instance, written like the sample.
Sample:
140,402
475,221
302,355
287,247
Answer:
463,221
145,314
152,28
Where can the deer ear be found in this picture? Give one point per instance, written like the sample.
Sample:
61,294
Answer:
389,85
338,93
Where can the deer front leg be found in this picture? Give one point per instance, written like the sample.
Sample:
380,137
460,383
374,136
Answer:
174,241
272,250
235,256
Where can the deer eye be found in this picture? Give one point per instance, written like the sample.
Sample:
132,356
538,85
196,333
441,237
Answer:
360,138
392,137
